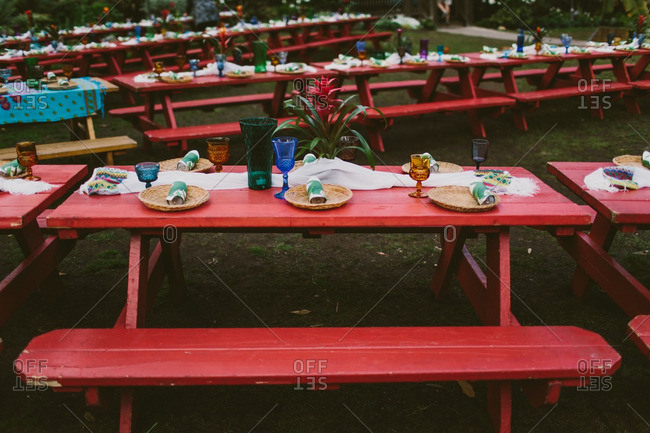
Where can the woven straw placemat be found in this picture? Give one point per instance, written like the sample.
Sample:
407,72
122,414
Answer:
415,63
202,165
156,198
4,90
336,195
243,74
629,160
459,198
180,80
444,167
296,72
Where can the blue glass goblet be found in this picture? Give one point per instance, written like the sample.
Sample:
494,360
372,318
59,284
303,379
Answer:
194,66
221,63
440,49
285,150
147,172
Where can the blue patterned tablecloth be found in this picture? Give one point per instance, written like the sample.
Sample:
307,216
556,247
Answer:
25,105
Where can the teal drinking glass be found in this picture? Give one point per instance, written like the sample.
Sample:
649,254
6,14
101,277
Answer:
257,132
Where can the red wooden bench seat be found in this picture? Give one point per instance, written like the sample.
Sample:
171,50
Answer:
386,85
81,358
168,135
441,106
200,104
567,92
346,40
639,332
641,85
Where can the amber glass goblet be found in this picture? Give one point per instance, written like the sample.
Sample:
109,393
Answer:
218,151
180,62
158,68
68,70
27,157
419,172
275,61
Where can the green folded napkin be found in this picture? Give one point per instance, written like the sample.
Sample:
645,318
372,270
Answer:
188,162
12,169
309,158
481,193
177,193
645,159
315,191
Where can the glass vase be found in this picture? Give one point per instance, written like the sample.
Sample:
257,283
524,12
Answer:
260,49
257,132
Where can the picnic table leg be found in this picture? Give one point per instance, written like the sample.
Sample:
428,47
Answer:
174,266
622,76
497,296
452,244
126,411
639,67
136,297
500,405
469,91
510,86
278,98
429,90
363,89
602,233
170,118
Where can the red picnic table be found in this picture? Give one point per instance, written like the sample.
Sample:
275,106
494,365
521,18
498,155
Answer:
428,98
171,133
625,211
19,216
131,355
555,82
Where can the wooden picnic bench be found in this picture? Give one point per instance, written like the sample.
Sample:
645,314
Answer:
639,332
543,358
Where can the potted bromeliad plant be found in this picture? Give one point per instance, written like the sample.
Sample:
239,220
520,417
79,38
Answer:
321,120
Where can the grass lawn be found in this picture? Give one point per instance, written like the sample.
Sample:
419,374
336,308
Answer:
338,278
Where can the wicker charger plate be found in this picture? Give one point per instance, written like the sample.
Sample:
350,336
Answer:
4,90
156,198
629,160
416,63
444,167
337,196
202,165
458,198
242,74
55,86
180,80
284,71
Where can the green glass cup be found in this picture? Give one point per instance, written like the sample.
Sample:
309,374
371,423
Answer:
257,132
260,48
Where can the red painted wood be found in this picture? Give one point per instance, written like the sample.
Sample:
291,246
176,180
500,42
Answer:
602,234
136,299
195,104
566,92
631,207
500,405
449,258
542,392
195,132
386,85
16,287
441,106
639,332
126,411
18,211
474,283
387,209
174,266
497,299
625,290
165,357
347,40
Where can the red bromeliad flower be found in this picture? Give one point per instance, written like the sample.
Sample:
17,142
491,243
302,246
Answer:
29,18
172,5
164,14
106,10
322,95
640,24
